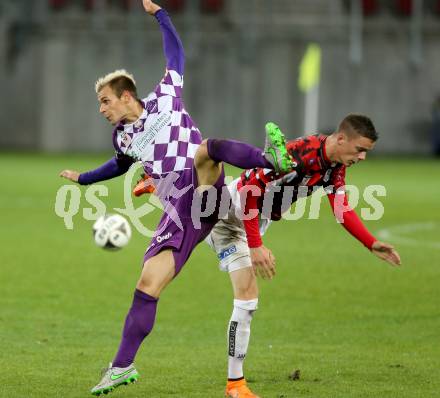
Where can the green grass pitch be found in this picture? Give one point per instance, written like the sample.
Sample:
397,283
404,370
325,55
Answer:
353,326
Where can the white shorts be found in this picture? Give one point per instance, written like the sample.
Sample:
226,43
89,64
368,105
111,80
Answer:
228,239
230,245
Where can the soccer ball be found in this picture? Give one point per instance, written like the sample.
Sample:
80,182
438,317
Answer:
111,231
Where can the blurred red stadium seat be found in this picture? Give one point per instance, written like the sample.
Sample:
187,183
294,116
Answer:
126,4
90,5
57,4
404,7
211,6
370,7
174,5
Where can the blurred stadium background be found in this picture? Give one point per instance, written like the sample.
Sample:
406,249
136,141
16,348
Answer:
354,326
379,57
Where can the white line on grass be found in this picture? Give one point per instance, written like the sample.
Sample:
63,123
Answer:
395,233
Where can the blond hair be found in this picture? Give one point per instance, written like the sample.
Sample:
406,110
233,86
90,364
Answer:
119,80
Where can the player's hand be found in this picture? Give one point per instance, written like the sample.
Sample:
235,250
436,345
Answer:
70,175
386,252
263,262
150,7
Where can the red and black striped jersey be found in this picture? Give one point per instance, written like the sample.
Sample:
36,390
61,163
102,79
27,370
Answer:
313,170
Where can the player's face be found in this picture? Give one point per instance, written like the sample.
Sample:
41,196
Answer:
112,107
353,149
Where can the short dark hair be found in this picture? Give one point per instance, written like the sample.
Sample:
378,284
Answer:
120,84
359,124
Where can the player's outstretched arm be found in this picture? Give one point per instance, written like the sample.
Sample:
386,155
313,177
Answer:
172,44
353,224
386,252
263,261
111,169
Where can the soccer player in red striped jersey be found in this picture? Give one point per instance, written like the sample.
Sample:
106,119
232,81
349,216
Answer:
321,162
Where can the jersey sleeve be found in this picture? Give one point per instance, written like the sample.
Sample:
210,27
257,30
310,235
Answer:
172,82
351,221
115,167
259,179
251,226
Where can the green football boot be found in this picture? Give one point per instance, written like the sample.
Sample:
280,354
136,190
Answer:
275,150
114,377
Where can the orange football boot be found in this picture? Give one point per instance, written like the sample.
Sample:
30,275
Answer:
144,185
239,389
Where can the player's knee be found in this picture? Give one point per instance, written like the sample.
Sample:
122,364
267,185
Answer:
250,306
203,158
149,286
202,154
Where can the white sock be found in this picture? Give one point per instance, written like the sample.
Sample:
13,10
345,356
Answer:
239,331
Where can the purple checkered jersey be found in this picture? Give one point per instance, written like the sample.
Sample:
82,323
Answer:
164,138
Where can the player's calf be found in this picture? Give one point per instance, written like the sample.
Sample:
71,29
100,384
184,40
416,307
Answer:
239,331
274,156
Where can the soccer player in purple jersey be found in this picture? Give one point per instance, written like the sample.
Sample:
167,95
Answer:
158,132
